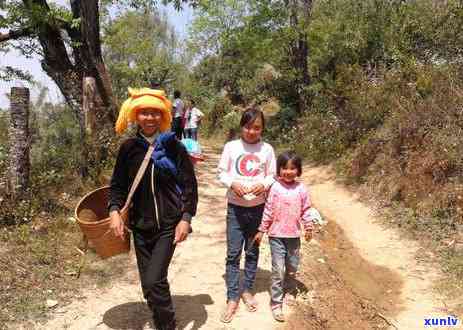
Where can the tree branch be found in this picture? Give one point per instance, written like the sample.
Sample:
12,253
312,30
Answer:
15,34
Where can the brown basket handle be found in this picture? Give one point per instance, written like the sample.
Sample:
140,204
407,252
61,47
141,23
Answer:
138,177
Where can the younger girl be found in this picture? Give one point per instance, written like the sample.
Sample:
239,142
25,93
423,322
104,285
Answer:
246,168
286,208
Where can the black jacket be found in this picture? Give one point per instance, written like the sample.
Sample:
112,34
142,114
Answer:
171,205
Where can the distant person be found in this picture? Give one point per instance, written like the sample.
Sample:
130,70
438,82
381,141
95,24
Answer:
160,215
287,209
154,84
177,115
193,118
246,168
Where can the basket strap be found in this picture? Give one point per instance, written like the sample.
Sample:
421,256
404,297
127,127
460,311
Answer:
140,173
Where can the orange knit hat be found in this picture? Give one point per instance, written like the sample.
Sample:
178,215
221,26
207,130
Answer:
144,98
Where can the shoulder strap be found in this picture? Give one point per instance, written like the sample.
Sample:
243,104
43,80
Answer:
140,173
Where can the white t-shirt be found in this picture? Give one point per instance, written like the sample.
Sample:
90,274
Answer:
178,108
192,118
247,164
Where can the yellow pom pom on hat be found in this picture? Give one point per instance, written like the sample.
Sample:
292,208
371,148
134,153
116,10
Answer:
144,98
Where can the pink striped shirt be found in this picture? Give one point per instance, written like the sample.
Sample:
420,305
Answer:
286,209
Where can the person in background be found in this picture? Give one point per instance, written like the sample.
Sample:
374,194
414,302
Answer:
193,118
177,115
287,209
154,84
246,168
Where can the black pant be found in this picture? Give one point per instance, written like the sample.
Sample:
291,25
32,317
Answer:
154,250
177,127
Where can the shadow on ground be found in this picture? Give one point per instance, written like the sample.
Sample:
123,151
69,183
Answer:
132,315
190,310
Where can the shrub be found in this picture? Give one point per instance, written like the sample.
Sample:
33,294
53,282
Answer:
219,107
416,156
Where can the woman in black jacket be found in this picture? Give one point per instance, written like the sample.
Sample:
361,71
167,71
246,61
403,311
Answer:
165,200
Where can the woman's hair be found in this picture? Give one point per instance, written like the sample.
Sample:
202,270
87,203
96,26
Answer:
289,156
177,94
250,115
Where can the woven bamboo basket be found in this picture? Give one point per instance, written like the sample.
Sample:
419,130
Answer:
93,218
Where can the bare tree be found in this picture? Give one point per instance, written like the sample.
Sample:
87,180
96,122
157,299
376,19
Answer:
19,141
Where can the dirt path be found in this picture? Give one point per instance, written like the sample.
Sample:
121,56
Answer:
196,274
386,268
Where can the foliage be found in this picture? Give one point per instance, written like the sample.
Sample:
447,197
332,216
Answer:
141,46
66,40
219,108
9,73
178,4
54,147
419,146
224,31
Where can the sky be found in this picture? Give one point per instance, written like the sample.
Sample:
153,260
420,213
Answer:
180,20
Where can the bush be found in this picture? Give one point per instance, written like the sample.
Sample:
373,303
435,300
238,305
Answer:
415,157
54,155
219,107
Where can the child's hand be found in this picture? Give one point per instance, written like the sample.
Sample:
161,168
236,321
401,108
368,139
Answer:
308,235
239,189
257,189
258,237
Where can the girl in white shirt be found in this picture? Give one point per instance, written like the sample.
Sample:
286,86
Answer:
247,168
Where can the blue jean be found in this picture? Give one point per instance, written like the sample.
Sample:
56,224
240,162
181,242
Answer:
191,133
177,127
242,225
285,261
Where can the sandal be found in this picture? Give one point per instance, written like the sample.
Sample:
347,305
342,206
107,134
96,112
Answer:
277,313
229,312
249,301
290,300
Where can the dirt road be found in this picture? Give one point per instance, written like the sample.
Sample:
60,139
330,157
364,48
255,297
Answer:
378,263
197,272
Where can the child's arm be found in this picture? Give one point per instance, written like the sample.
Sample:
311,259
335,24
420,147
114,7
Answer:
267,216
271,170
267,219
224,172
224,167
307,221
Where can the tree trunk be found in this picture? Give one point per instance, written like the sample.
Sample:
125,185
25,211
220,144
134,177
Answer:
88,11
67,59
90,124
300,13
19,141
87,60
90,103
